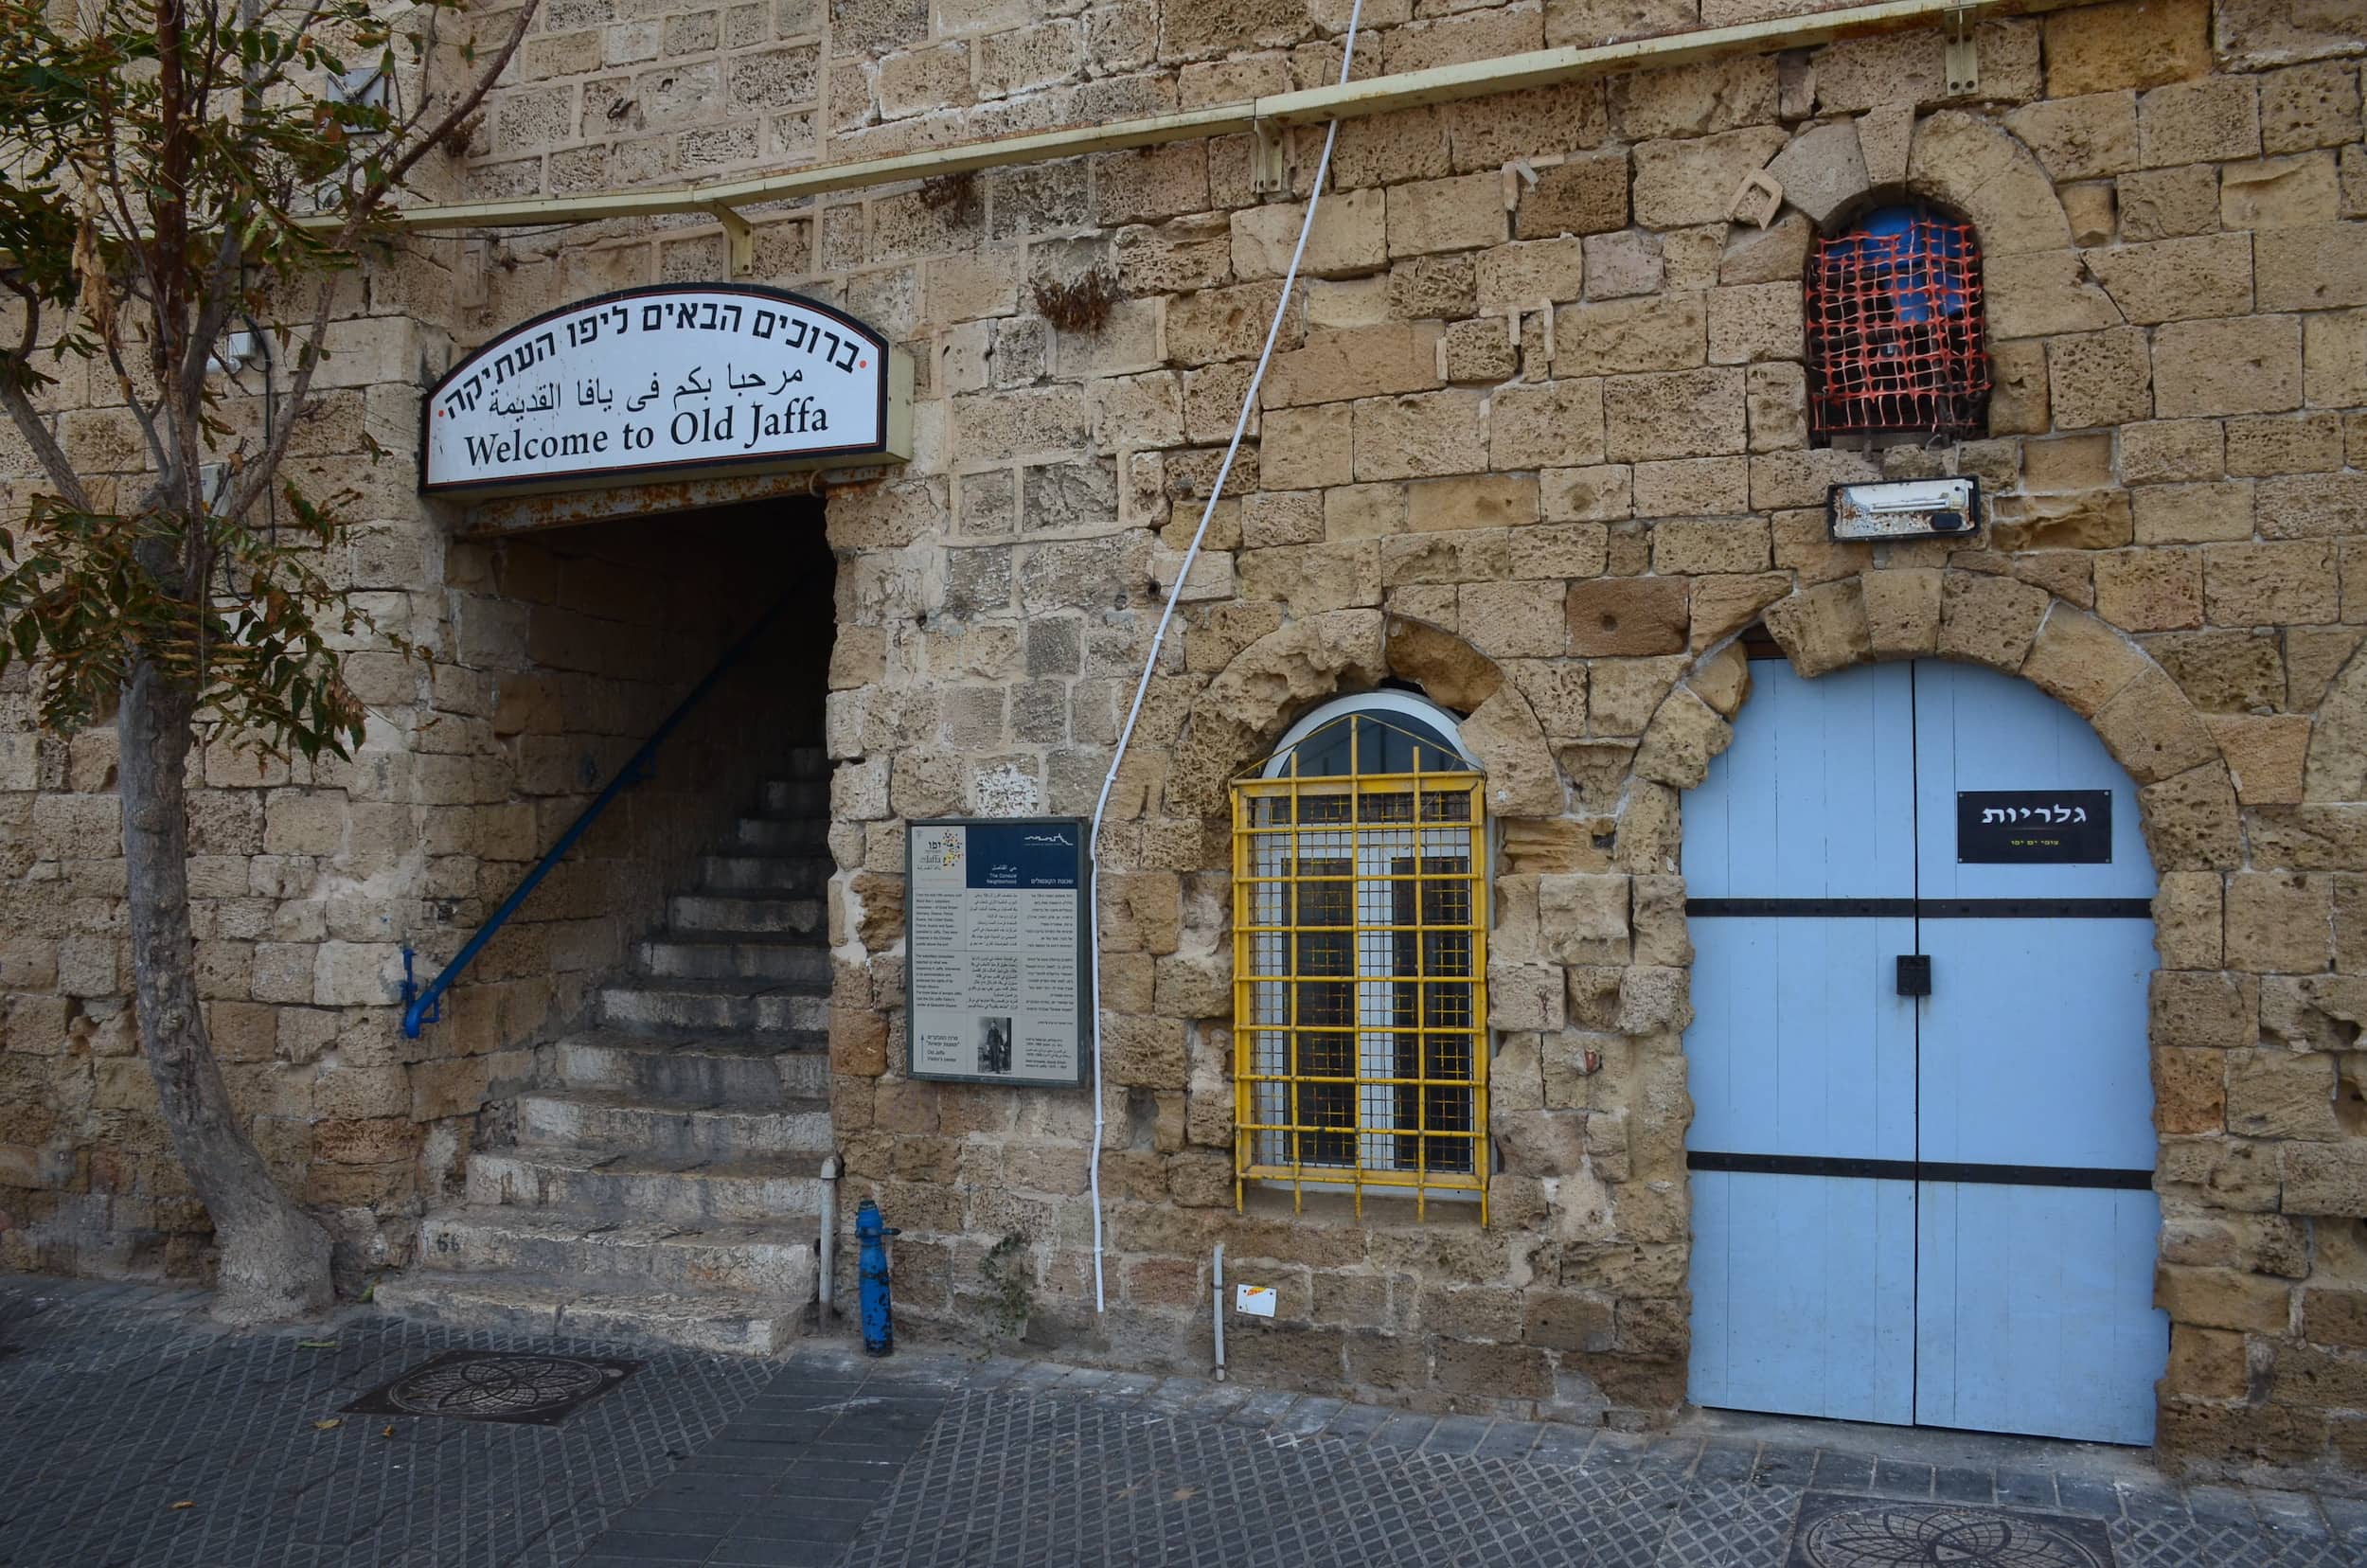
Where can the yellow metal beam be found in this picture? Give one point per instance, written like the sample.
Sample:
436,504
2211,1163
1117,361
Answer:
1312,106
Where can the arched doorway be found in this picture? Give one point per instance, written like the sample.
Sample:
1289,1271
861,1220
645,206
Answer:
1930,1208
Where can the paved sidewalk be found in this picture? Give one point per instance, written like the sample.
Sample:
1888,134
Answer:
118,1403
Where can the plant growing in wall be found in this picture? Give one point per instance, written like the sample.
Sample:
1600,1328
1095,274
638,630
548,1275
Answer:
171,170
1010,1277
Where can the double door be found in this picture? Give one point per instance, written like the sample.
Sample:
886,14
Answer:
1922,1148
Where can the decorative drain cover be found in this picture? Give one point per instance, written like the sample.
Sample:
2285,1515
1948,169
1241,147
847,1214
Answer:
1858,1532
497,1386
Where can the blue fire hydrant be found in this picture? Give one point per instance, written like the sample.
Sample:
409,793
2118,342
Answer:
879,1319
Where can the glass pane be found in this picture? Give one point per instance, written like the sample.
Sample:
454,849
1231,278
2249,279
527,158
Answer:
1382,743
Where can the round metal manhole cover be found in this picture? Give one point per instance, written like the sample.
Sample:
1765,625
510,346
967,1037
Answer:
507,1387
1884,1535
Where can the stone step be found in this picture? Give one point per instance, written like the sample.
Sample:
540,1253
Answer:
798,796
760,1005
723,958
718,1322
772,1260
611,1186
780,836
675,1129
727,1070
805,874
743,912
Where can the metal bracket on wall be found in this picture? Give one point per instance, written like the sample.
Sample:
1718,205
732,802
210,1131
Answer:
1964,55
742,241
1268,168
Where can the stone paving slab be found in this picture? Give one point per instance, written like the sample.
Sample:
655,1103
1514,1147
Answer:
117,1402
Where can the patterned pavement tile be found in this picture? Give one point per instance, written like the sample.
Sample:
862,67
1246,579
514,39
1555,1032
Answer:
113,1410
116,1403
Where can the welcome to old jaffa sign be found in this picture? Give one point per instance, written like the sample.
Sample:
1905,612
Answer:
679,382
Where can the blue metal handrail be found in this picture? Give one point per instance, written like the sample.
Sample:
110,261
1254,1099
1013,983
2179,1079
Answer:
423,1008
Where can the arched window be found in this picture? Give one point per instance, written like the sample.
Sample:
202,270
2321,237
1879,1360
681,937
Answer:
1360,955
1895,333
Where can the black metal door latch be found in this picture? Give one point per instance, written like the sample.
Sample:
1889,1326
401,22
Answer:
1915,974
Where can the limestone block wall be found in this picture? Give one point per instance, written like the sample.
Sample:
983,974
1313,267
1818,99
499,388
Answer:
544,661
1534,442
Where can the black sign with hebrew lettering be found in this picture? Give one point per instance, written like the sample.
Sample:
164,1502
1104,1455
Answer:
2034,827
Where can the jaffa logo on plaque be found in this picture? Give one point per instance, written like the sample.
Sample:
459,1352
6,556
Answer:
680,380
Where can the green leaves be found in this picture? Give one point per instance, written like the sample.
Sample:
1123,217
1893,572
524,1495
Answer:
163,167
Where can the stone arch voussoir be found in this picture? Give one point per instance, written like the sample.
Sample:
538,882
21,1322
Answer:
1245,709
2144,718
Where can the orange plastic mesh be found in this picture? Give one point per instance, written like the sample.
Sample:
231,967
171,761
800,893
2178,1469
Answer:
1894,316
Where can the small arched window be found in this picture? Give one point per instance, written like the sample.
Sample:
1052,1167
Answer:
1360,955
1895,334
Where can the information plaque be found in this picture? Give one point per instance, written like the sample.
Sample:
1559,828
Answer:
996,919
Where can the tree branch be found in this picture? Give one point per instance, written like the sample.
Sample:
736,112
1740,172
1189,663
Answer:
26,419
366,205
262,474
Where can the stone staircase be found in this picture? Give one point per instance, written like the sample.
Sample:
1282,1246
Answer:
661,1180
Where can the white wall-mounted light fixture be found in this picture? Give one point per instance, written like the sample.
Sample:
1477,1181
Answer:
1908,508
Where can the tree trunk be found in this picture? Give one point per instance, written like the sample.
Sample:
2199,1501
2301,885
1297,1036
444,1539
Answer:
273,1256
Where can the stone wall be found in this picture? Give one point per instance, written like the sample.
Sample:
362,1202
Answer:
1534,441
546,660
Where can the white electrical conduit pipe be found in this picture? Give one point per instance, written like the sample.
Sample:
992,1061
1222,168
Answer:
1159,636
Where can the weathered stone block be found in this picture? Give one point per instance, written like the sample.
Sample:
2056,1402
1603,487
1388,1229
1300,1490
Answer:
1822,170
2080,137
2213,120
1626,617
2251,364
2266,584
2189,1090
2099,378
1682,414
2279,922
2223,1298
1407,437
1989,620
1336,366
1759,321
1682,738
1585,194
1550,425
2190,820
2133,44
1658,333
2309,106
1463,212
2316,267
1525,274
1691,182
2166,204
2177,279
2324,1179
2295,192
2149,589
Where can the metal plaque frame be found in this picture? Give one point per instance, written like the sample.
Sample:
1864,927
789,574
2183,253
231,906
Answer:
1080,828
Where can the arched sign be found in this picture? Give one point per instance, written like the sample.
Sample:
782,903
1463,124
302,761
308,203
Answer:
680,380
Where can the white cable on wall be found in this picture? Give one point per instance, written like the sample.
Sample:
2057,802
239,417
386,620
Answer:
1159,636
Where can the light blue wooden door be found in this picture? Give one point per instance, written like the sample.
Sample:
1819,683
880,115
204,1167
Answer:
1934,1211
1799,860
2035,1282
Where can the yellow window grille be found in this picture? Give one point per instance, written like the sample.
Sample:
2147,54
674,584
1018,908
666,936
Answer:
1360,963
